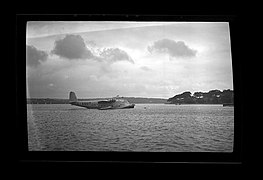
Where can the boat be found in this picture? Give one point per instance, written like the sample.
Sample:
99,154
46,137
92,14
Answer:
113,103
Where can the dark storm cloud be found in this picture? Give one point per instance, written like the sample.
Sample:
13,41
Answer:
72,47
35,56
114,55
173,48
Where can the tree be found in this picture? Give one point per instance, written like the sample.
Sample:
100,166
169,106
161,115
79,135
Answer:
227,96
211,97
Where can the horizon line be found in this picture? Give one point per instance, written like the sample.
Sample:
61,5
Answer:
127,96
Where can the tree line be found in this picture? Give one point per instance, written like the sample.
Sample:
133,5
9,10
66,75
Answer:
211,97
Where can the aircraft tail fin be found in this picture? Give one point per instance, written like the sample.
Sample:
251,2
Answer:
72,97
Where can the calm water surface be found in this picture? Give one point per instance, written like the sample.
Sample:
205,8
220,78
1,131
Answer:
147,127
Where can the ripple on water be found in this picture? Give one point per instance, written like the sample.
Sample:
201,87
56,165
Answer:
156,128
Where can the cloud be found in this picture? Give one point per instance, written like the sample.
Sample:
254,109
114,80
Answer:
90,43
173,48
72,47
35,56
114,54
145,68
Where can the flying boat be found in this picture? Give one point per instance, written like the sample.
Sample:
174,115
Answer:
112,103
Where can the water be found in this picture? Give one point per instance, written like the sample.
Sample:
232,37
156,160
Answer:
147,127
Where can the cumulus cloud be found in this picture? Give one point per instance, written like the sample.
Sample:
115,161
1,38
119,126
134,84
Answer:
75,47
35,56
72,47
173,48
90,43
114,54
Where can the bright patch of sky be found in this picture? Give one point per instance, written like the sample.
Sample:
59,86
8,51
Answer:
140,59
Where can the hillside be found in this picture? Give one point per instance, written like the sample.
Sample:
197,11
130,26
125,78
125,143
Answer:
211,97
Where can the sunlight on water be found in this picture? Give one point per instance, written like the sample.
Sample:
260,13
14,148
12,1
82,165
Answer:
147,127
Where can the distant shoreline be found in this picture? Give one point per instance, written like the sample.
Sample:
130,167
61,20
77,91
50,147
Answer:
66,101
225,97
158,101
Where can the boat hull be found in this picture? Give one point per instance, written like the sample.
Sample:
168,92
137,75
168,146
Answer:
124,107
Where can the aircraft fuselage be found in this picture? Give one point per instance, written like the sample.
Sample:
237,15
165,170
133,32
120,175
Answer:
106,104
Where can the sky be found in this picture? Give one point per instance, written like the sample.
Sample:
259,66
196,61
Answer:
131,59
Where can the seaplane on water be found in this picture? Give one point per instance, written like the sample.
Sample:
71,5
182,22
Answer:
113,103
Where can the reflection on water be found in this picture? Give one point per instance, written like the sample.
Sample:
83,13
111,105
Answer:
147,127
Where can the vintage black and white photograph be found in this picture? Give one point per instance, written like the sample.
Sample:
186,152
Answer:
129,86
